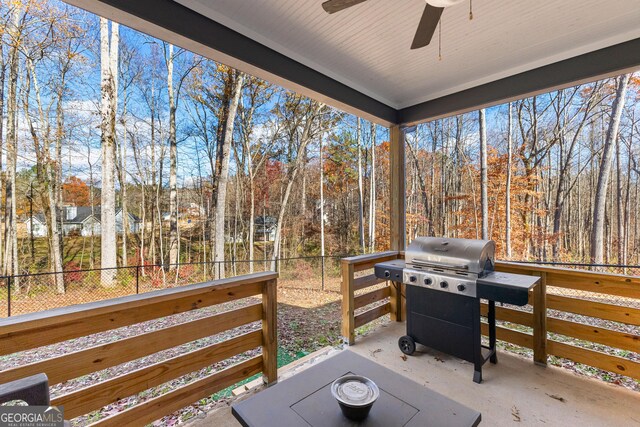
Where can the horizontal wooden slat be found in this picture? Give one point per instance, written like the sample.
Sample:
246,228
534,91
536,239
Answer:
37,329
363,259
365,262
600,310
160,406
615,285
100,357
371,297
365,282
372,314
98,395
590,333
605,283
596,359
79,311
509,335
509,315
512,267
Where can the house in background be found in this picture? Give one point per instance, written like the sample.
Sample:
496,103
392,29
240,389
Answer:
193,210
82,220
36,222
265,229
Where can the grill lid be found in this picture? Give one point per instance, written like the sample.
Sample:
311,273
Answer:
466,255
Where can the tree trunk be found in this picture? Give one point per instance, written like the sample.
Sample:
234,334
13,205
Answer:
372,192
3,69
123,183
507,202
627,198
108,72
55,177
597,233
222,169
360,189
92,203
620,205
252,217
292,172
11,266
322,193
484,201
174,256
46,167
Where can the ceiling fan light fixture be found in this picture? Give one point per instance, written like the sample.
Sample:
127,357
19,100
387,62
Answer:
443,3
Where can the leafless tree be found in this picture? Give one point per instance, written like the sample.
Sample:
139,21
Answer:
597,234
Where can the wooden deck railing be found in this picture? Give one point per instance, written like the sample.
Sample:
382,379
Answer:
605,287
537,320
353,299
53,326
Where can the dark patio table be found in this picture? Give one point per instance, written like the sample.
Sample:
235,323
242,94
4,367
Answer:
305,400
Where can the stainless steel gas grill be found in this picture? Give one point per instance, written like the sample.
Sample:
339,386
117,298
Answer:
446,279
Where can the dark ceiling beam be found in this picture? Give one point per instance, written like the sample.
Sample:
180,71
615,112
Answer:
608,62
166,19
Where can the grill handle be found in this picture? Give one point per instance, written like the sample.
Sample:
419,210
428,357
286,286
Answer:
439,265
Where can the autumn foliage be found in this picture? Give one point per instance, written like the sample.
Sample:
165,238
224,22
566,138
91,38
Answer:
75,192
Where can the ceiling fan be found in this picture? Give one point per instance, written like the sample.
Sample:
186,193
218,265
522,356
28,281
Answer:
426,27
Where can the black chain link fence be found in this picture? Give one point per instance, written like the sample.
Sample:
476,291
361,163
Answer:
28,293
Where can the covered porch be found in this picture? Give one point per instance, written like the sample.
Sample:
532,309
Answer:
397,89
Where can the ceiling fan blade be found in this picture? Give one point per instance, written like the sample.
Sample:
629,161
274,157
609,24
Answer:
427,26
333,6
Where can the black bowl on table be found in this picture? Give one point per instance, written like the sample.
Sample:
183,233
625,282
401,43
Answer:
355,395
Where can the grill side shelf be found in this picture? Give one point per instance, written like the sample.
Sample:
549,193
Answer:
507,288
390,270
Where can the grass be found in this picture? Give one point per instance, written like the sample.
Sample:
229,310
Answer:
284,358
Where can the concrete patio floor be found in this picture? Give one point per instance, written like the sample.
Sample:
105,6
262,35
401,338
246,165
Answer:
514,392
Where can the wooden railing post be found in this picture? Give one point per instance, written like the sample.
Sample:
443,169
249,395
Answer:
540,321
269,332
395,300
397,186
348,311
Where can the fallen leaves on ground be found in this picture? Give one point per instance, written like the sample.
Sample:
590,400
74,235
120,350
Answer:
556,397
516,413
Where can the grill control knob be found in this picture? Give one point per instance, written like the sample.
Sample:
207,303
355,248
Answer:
428,281
444,285
412,278
462,288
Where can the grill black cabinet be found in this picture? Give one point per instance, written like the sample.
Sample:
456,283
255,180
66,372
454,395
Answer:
450,323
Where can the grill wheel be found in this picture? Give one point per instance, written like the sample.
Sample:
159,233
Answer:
407,345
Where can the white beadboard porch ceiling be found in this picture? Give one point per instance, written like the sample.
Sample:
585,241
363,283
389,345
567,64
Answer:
367,46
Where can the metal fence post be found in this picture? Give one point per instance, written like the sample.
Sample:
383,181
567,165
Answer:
8,296
137,279
322,259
